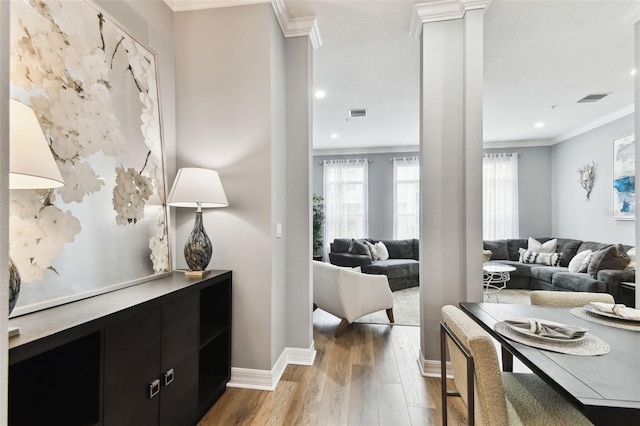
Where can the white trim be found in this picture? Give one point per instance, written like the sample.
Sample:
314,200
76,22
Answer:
188,5
518,144
359,151
431,367
605,119
249,378
296,26
631,15
442,10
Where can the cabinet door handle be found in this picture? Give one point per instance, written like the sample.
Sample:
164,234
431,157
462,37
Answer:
168,377
154,388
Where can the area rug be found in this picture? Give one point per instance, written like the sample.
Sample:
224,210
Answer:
406,305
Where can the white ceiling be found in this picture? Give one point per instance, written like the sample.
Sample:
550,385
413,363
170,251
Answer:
537,54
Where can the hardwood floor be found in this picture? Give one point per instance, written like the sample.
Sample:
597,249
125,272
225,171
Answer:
367,376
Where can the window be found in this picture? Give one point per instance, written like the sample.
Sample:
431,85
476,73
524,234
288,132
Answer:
406,197
345,199
499,196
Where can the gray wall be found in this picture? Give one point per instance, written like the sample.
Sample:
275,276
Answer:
534,195
380,188
223,79
232,82
278,187
572,216
534,181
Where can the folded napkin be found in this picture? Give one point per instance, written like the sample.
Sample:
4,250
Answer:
618,309
548,329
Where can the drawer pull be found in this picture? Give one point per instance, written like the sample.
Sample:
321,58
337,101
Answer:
154,388
168,377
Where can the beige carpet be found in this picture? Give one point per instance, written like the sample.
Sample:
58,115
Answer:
406,309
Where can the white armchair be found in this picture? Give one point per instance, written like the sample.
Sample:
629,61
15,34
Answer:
348,294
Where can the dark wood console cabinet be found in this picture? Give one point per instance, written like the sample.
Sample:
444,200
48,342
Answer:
157,353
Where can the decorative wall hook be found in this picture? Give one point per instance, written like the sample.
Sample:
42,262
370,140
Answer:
587,174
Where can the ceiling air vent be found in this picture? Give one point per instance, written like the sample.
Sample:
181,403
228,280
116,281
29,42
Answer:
593,98
358,112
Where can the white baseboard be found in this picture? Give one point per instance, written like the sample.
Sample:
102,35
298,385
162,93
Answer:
431,368
248,378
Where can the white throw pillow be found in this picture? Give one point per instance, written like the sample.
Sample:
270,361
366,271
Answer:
538,247
549,259
374,251
576,263
383,253
632,257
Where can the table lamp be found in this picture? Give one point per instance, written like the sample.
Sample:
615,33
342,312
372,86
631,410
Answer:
31,166
199,188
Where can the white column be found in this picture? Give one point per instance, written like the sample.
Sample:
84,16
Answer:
636,50
451,165
4,200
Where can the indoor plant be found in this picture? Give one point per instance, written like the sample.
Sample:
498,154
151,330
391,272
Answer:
318,223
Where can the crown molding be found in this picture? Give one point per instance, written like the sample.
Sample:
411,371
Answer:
187,5
518,144
442,10
631,15
297,26
360,151
605,119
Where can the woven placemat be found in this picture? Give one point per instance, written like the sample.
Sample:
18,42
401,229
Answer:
590,345
598,319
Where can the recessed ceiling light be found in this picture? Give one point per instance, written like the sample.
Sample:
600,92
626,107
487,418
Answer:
538,124
633,71
334,136
320,94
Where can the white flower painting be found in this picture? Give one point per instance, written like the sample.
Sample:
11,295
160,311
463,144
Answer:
94,90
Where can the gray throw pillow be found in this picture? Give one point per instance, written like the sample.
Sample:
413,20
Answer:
612,257
359,248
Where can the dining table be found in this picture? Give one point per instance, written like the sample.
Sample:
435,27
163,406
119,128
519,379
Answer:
605,388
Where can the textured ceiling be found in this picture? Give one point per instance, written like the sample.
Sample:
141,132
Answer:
538,54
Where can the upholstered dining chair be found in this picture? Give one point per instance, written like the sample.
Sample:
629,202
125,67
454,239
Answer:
495,398
567,299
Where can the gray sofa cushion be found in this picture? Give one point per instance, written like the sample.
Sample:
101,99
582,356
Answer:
498,249
399,249
340,245
568,248
571,281
393,268
545,273
612,257
515,245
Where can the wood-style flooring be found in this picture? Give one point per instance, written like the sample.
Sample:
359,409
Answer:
367,376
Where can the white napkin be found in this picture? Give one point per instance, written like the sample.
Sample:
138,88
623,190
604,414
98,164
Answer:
549,329
618,309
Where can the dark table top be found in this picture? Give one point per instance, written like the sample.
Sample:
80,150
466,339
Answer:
604,387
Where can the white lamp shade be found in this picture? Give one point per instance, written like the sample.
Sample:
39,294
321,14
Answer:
32,165
195,186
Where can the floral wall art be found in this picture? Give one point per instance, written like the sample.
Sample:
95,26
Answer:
624,174
94,90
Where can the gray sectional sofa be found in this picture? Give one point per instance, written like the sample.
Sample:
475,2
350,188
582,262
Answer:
401,269
540,277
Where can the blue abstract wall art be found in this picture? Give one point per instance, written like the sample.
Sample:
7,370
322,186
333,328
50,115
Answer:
624,188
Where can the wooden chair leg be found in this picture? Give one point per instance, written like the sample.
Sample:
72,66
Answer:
341,327
390,315
315,307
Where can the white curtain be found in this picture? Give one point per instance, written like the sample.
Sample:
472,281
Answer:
406,197
500,196
345,199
